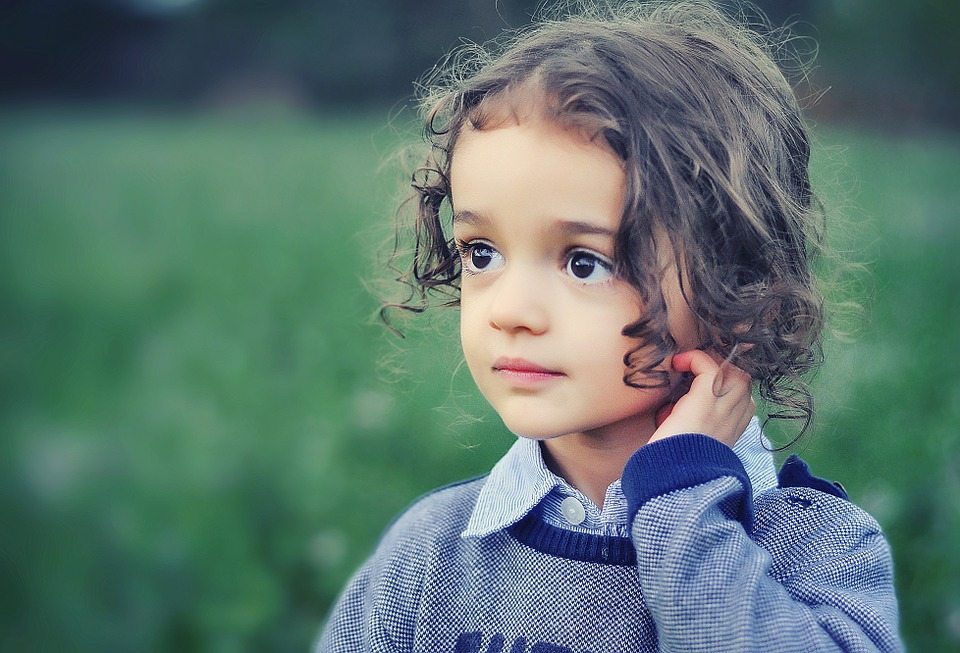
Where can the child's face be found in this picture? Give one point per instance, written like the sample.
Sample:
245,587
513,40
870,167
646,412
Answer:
541,317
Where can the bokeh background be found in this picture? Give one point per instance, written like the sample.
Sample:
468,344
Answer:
203,430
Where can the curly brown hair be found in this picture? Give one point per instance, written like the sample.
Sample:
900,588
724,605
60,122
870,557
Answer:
716,155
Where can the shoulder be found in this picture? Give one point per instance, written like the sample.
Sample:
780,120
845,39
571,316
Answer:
809,513
377,609
807,520
809,505
438,515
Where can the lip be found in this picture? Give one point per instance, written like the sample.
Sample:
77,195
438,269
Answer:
520,370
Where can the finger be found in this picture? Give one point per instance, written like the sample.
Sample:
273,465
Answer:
729,377
720,384
695,361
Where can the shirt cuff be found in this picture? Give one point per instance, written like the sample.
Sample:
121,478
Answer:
684,461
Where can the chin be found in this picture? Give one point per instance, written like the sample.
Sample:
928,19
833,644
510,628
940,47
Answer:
629,425
540,430
526,429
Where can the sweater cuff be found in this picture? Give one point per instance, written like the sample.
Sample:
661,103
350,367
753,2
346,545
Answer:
684,461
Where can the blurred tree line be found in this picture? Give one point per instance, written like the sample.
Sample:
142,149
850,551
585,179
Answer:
887,60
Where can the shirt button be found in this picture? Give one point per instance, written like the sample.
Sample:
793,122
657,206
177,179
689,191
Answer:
573,511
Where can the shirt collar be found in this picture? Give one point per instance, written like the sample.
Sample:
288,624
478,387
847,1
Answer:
753,450
515,485
520,481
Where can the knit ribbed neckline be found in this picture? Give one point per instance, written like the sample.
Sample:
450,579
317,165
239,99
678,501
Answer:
583,547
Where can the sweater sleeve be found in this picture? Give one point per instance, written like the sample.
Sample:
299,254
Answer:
354,624
377,611
372,613
806,572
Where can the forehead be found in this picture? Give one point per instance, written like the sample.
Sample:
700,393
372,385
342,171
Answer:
536,169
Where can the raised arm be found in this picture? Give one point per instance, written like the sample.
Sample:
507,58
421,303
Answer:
806,571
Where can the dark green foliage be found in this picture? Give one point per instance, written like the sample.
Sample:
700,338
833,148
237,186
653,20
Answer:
198,444
889,60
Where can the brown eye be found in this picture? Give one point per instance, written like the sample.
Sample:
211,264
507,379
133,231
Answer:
479,257
588,268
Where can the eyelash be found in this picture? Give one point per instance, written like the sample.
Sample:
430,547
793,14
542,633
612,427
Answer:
465,248
601,261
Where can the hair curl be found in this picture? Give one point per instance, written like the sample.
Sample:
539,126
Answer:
716,155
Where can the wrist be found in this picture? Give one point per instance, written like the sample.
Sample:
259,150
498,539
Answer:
680,461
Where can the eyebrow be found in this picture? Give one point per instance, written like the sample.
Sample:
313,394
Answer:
568,227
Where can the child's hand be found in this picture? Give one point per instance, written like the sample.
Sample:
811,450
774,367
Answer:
719,403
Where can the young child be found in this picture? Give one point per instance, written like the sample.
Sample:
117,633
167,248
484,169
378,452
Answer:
619,204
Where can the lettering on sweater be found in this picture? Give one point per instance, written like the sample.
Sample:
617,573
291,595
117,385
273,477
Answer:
473,643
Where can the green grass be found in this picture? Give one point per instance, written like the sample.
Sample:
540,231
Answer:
200,442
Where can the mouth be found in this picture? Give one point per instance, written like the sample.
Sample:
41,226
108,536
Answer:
523,371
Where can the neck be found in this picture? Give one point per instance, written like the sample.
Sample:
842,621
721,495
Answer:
590,462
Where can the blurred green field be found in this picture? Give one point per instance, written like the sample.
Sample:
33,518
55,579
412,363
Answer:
201,441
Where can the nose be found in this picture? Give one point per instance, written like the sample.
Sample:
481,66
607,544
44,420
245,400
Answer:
519,302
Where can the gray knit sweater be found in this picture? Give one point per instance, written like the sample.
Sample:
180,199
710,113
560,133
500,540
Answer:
708,567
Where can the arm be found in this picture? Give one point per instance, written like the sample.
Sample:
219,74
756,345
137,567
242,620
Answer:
352,626
811,573
376,612
379,610
821,582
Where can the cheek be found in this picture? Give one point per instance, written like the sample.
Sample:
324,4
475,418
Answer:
465,339
470,331
601,344
609,347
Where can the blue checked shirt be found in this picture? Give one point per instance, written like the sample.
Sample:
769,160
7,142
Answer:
698,548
